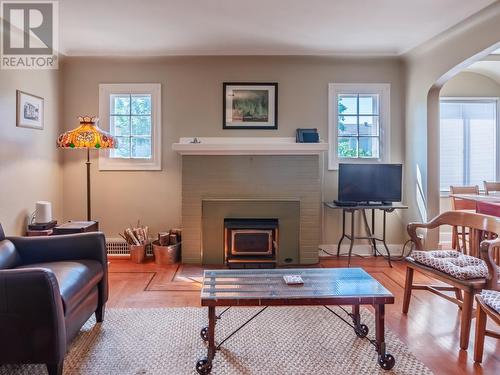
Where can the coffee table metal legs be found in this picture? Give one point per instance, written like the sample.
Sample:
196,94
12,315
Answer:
385,360
360,329
204,365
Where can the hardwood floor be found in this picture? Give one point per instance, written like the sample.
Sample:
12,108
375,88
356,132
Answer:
430,329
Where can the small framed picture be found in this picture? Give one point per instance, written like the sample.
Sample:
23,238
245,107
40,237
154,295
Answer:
250,105
29,111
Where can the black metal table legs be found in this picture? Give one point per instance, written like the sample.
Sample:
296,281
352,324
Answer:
385,360
204,365
370,233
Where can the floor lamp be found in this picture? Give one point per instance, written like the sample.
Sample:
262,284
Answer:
87,136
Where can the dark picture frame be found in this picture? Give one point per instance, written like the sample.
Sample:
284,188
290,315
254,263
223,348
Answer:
255,106
29,110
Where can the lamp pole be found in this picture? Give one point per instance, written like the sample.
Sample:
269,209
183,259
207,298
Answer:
88,184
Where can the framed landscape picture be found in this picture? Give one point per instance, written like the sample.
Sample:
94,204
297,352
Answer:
29,110
250,105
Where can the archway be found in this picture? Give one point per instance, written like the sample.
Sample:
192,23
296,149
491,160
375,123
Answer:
433,138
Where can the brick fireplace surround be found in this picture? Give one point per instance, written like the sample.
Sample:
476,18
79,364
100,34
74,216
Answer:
272,178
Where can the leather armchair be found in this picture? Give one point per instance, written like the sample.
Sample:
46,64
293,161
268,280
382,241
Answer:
49,287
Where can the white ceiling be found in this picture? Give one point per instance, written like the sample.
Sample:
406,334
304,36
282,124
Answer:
490,69
255,27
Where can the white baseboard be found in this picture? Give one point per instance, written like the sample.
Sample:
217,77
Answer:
359,249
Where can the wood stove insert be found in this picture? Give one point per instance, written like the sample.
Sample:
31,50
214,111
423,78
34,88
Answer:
250,243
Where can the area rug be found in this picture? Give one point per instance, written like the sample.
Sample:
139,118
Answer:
282,340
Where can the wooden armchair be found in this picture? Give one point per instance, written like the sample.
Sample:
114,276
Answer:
463,270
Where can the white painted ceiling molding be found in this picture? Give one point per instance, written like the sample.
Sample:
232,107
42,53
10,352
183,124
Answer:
257,27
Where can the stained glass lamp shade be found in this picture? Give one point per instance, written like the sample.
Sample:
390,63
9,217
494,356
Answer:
86,136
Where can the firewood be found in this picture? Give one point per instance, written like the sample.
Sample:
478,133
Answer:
163,238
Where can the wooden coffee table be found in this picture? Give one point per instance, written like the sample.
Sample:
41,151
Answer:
322,287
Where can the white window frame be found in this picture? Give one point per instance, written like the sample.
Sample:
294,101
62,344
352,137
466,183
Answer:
107,163
478,99
384,92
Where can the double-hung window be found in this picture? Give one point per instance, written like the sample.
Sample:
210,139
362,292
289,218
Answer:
359,117
468,140
132,114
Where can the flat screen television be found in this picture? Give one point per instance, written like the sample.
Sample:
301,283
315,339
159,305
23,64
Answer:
370,182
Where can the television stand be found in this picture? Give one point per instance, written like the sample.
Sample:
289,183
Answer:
370,231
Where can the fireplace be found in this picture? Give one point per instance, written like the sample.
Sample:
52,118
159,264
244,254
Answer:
250,242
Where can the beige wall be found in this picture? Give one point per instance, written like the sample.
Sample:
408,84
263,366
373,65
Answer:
428,67
192,106
30,168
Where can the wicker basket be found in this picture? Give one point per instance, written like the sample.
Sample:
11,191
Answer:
137,253
166,254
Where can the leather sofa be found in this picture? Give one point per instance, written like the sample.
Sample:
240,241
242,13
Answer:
49,287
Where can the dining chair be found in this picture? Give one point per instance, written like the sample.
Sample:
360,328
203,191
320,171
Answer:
488,308
465,271
458,204
491,187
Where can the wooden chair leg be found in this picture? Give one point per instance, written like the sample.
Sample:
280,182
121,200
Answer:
458,294
407,293
480,333
465,319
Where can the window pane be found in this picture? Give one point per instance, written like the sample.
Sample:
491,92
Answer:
347,147
450,110
368,125
141,125
479,110
368,104
123,148
368,147
348,104
120,125
348,125
468,143
141,104
451,152
120,104
141,147
482,149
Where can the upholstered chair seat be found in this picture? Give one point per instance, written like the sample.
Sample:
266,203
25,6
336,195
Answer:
491,298
453,263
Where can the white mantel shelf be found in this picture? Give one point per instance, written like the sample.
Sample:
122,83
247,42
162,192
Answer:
247,146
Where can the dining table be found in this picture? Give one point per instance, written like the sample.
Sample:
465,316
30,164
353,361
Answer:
485,204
